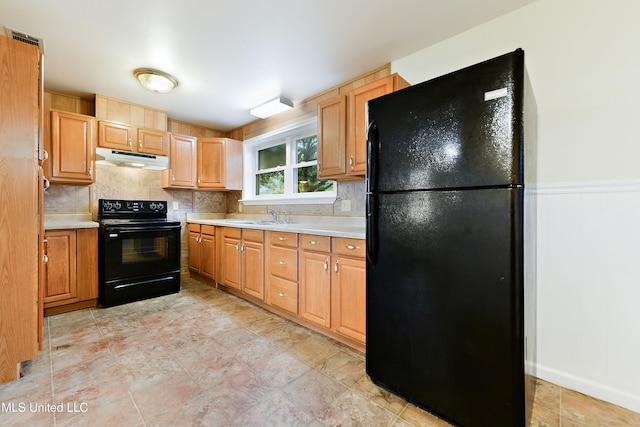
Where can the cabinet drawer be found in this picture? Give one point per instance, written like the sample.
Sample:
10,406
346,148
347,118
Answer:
349,247
284,239
283,262
232,232
253,235
315,243
284,294
208,229
194,228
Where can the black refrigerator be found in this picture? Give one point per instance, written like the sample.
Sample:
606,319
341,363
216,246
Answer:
451,244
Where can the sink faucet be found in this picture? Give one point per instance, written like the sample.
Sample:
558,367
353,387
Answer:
274,215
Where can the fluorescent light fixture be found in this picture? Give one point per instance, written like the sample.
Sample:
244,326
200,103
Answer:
155,80
272,107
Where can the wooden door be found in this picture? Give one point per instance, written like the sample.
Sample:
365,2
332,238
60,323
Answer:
231,262
152,141
61,281
182,161
357,138
207,255
211,163
19,255
71,148
348,286
194,250
315,287
115,135
332,137
253,269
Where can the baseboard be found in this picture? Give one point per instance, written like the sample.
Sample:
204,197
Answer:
590,388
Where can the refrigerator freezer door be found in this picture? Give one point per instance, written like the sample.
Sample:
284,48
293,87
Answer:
444,303
457,131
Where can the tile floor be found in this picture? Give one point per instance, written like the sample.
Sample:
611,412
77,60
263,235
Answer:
205,358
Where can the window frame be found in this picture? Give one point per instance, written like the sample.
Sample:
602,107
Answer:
287,135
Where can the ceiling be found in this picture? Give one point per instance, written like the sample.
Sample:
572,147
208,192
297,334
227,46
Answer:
231,55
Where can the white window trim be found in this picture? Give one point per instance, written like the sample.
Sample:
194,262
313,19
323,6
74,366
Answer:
250,148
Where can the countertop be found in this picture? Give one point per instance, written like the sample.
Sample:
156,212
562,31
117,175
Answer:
68,221
349,227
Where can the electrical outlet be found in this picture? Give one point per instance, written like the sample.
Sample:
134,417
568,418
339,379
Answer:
345,205
176,205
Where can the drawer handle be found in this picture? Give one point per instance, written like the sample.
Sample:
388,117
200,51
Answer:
282,263
326,265
351,247
280,294
335,267
282,239
314,242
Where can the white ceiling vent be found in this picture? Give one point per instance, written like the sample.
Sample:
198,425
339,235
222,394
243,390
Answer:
26,38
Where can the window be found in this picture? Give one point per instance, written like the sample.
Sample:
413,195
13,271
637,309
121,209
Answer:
282,167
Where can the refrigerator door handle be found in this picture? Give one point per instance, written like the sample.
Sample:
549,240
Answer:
372,157
372,229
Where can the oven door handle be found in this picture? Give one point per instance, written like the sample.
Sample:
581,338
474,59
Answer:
136,229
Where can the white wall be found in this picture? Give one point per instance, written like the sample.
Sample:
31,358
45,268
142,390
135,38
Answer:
584,62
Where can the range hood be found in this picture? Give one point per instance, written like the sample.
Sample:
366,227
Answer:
107,156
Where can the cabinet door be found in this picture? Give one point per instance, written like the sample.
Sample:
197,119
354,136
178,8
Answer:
332,137
152,141
357,138
207,255
71,148
115,135
194,251
60,277
253,269
211,163
231,262
348,304
315,287
182,161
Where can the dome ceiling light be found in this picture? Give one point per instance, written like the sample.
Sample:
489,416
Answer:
155,80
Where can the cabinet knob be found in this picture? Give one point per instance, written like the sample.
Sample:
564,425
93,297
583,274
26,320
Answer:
47,184
282,263
130,143
280,294
351,247
140,145
351,161
314,242
282,239
45,155
45,259
335,267
326,265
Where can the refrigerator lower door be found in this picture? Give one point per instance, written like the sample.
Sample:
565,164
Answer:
444,303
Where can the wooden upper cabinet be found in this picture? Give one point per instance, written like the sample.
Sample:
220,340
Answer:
120,136
342,129
357,138
70,146
152,141
115,135
219,164
332,137
182,162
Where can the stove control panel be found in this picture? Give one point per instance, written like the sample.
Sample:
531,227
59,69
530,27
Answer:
132,206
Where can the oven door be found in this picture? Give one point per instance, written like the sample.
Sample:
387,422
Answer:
132,251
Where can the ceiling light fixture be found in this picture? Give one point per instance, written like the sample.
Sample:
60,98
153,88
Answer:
155,80
272,107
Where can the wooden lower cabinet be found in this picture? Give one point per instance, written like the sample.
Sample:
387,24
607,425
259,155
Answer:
202,250
315,279
282,271
348,304
71,270
242,261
